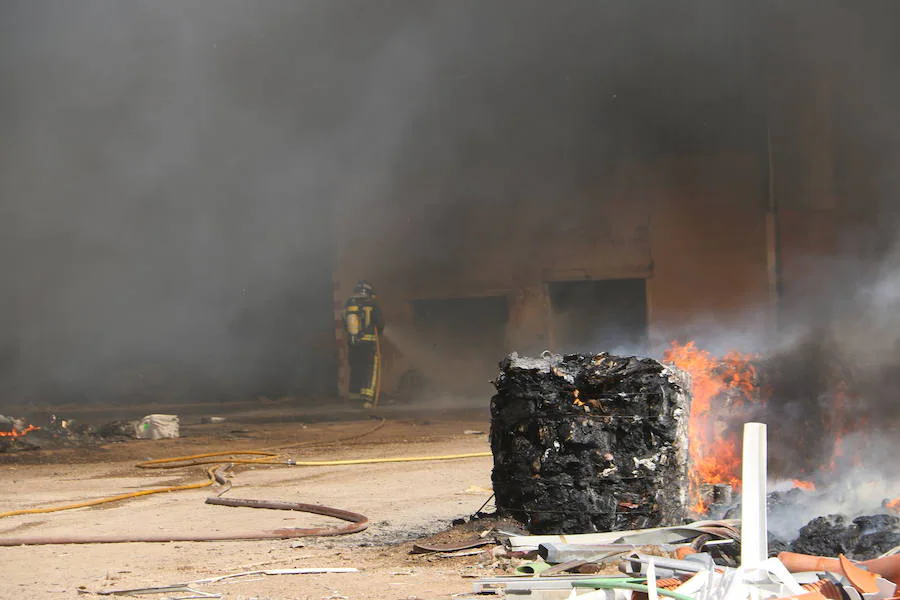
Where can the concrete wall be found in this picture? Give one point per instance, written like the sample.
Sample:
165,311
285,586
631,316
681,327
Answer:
723,240
708,237
826,188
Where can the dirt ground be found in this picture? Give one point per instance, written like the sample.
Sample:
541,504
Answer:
403,501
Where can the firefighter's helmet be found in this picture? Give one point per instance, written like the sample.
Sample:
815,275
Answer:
364,289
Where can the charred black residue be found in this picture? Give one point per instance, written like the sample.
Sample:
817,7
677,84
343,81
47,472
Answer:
586,443
862,538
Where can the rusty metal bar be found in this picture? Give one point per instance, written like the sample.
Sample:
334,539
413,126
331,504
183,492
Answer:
357,523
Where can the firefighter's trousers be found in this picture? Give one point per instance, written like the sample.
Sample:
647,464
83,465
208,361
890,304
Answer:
365,369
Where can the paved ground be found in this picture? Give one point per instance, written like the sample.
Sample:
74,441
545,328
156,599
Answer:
404,501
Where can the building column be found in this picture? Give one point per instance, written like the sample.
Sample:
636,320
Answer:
528,328
803,183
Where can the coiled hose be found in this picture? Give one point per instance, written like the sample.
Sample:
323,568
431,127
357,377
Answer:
357,521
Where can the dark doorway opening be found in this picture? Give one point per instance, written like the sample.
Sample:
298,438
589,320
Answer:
599,316
463,340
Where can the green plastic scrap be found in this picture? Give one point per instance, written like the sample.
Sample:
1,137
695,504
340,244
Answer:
532,568
626,583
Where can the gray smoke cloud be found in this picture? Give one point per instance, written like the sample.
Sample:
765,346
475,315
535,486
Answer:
168,176
170,170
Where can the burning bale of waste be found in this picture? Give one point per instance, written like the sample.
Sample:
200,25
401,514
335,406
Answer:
586,443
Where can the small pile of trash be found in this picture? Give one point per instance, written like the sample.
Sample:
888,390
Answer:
20,434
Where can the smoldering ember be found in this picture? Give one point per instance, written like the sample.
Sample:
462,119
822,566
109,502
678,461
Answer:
467,299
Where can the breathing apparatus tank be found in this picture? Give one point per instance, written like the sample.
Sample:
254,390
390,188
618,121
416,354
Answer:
353,324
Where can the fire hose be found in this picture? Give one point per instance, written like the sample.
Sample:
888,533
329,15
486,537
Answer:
357,522
377,395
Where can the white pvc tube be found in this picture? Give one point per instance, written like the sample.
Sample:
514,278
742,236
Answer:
754,543
652,591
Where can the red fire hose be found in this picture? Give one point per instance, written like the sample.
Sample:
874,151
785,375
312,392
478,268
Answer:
357,522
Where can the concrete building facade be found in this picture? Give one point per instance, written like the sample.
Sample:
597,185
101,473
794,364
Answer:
659,247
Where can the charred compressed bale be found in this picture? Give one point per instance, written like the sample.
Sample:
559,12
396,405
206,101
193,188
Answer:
863,538
590,443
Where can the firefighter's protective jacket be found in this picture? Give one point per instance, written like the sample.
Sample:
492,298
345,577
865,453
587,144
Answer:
362,319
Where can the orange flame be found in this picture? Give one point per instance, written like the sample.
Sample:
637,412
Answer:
15,433
838,414
894,504
841,421
718,386
804,485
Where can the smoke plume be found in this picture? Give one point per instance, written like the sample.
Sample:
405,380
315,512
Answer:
172,172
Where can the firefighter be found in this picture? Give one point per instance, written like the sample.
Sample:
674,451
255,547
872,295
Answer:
364,323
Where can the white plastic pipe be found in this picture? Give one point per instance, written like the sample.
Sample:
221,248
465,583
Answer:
652,591
754,543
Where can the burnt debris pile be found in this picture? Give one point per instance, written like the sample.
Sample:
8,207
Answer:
586,443
862,538
20,434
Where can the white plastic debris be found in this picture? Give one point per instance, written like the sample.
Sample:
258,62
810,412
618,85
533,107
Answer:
653,592
157,427
754,542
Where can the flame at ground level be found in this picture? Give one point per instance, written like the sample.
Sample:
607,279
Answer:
722,389
14,433
719,386
893,504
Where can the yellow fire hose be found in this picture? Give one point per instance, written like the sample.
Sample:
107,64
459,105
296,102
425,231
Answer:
263,457
377,391
87,503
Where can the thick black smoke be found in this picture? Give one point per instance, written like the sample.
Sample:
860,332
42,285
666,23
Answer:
170,170
168,176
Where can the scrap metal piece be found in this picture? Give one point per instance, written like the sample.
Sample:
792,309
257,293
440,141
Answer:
357,523
560,553
185,587
161,590
489,585
296,571
425,548
597,559
668,567
636,537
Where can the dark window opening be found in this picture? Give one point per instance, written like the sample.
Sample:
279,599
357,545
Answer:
599,316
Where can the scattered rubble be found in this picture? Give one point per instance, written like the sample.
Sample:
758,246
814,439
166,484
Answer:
20,434
688,562
54,431
862,538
